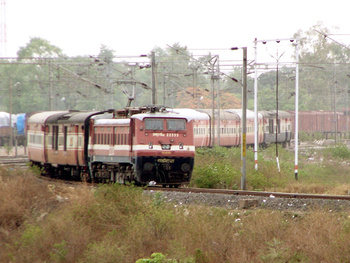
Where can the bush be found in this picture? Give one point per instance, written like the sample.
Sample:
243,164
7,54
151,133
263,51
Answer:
340,151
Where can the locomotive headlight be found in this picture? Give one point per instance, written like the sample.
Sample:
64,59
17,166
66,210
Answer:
165,146
148,167
150,145
181,145
185,167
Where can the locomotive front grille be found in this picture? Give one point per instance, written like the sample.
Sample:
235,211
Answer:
166,167
164,170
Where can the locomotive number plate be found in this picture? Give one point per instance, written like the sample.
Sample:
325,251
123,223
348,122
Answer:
164,160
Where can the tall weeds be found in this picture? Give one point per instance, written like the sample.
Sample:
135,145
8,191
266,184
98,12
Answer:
113,223
49,222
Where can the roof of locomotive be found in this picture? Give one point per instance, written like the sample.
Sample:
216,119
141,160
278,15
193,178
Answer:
187,114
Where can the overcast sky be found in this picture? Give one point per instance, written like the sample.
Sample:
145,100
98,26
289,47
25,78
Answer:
134,27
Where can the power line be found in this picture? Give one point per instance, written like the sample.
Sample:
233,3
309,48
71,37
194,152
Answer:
327,36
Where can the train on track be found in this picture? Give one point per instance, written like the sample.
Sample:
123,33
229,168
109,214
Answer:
227,125
151,145
224,129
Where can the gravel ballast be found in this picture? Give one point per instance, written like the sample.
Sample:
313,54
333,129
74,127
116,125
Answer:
236,201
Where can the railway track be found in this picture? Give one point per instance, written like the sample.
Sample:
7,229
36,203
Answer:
236,199
19,161
220,197
253,193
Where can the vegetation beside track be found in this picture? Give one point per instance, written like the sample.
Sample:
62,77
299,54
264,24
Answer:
41,221
322,170
44,222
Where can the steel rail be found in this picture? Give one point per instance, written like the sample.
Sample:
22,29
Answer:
253,193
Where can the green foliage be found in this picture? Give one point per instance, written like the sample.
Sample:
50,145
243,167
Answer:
277,252
220,167
39,47
7,148
306,137
340,151
258,181
158,219
107,250
158,200
118,202
60,252
216,175
215,169
31,234
86,83
199,257
156,258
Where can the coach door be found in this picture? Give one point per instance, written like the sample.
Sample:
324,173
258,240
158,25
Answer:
75,144
131,134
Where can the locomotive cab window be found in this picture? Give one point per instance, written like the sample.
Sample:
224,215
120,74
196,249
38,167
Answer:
176,124
154,124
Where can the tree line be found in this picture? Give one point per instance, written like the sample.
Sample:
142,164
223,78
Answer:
42,77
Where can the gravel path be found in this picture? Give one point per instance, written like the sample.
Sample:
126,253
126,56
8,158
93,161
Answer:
235,202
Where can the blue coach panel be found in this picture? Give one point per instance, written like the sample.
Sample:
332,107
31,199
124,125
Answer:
20,123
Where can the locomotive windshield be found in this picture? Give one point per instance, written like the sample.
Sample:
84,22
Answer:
154,124
176,124
171,124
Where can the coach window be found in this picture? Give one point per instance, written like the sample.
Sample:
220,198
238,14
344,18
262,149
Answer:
55,137
65,134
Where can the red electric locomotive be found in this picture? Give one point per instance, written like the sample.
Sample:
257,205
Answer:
151,145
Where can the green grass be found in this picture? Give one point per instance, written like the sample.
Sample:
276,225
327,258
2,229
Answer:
221,168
